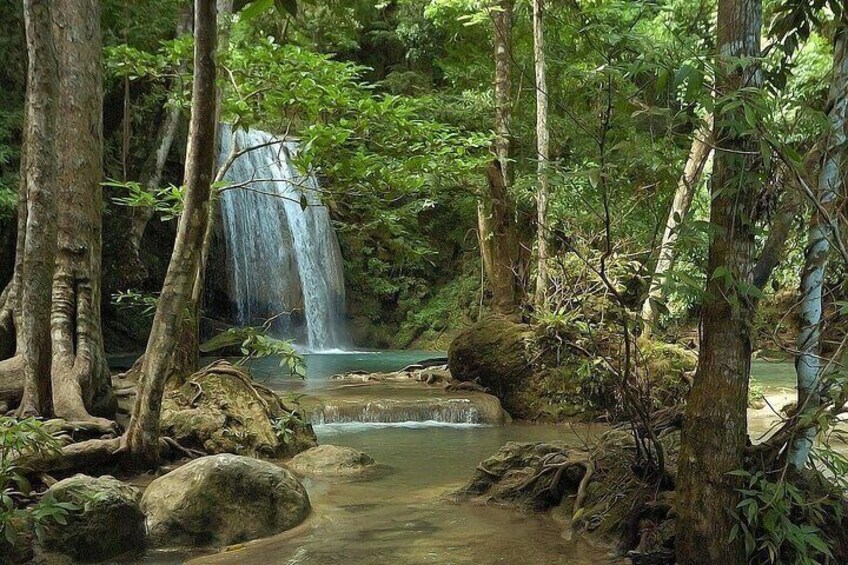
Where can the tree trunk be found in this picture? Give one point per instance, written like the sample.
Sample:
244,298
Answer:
699,155
80,375
775,245
39,181
155,165
152,176
543,154
495,210
715,429
499,250
142,437
808,365
186,360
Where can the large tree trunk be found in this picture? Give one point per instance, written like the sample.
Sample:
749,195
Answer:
495,209
142,437
543,154
699,155
715,429
39,181
80,375
808,363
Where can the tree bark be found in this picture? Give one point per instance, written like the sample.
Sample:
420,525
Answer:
186,361
699,155
808,364
543,154
715,430
142,437
39,244
80,376
495,209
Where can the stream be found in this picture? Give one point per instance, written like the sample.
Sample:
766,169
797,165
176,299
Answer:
406,515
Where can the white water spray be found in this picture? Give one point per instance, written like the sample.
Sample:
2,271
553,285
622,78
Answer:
283,257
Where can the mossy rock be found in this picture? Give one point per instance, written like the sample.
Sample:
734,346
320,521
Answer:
220,410
221,500
109,521
495,353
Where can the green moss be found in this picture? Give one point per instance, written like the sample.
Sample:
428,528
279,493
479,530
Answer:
441,316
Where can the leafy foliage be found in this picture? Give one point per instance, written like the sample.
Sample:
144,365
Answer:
778,522
21,438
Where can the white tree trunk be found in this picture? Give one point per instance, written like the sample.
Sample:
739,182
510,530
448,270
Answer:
808,366
699,155
543,154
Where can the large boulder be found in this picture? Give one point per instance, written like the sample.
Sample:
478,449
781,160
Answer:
494,353
332,461
540,378
220,409
108,522
220,500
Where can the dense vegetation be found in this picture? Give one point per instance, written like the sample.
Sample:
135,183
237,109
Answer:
575,197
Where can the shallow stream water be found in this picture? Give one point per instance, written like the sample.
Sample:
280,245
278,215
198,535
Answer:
407,515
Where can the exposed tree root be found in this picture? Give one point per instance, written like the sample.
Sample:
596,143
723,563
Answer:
11,381
98,453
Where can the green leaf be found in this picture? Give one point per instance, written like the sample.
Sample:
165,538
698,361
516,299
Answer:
255,8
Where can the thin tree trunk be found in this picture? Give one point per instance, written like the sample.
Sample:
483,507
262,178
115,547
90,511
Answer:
543,154
808,365
775,245
39,247
155,166
495,210
142,437
186,360
715,428
153,174
699,155
80,375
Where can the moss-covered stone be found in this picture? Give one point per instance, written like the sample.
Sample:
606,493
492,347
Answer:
495,353
220,410
220,500
109,521
537,379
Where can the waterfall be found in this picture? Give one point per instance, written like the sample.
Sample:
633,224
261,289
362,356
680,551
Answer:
282,255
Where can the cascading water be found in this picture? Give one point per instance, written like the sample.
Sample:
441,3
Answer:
282,253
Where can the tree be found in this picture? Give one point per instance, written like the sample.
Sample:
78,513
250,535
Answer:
543,152
715,428
495,209
808,363
38,239
62,165
699,154
80,375
142,438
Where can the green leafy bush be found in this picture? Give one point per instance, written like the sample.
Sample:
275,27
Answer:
21,438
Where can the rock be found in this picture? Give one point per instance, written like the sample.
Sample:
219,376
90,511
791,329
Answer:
220,409
109,522
494,353
220,500
332,461
507,476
